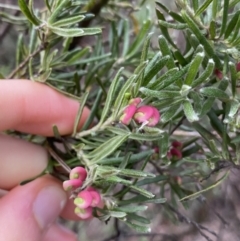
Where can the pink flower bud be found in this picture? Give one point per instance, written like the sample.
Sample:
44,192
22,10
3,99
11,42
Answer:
177,144
143,113
78,173
238,67
218,73
84,199
135,101
85,213
154,119
128,113
96,198
72,184
176,154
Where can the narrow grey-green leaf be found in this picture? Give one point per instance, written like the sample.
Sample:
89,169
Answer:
131,209
163,94
110,96
107,148
232,24
224,17
194,68
74,32
153,68
26,11
80,111
57,11
205,75
178,26
164,47
233,72
170,113
203,7
202,39
68,21
142,191
214,92
189,111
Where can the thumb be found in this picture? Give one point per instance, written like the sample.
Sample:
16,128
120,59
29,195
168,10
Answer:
28,211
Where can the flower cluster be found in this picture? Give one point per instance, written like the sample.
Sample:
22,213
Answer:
86,199
146,114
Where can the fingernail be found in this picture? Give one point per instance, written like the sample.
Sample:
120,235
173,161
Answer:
48,205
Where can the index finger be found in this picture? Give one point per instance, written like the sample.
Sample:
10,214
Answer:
35,108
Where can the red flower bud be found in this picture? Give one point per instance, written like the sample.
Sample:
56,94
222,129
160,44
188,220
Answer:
176,154
72,184
83,213
177,144
238,67
218,73
135,101
84,199
78,173
128,113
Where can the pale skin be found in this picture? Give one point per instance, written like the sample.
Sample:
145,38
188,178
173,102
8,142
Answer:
29,212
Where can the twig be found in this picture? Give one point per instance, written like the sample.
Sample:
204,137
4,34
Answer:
187,220
117,230
24,63
178,124
58,159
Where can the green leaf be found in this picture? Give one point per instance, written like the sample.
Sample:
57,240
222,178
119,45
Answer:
131,209
163,94
164,47
152,180
196,194
142,199
178,26
225,17
79,113
203,7
137,218
107,148
194,68
212,29
138,228
111,95
232,24
170,113
139,39
26,11
116,214
94,109
154,67
115,180
169,79
233,72
68,21
57,11
163,29
133,173
202,39
189,111
133,159
164,144
214,92
205,75
142,191
74,32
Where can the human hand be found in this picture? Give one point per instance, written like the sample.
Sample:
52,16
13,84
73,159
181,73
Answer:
29,212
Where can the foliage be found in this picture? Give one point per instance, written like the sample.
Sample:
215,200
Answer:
194,87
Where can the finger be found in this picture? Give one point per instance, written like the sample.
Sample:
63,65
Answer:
59,233
35,108
20,160
31,209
